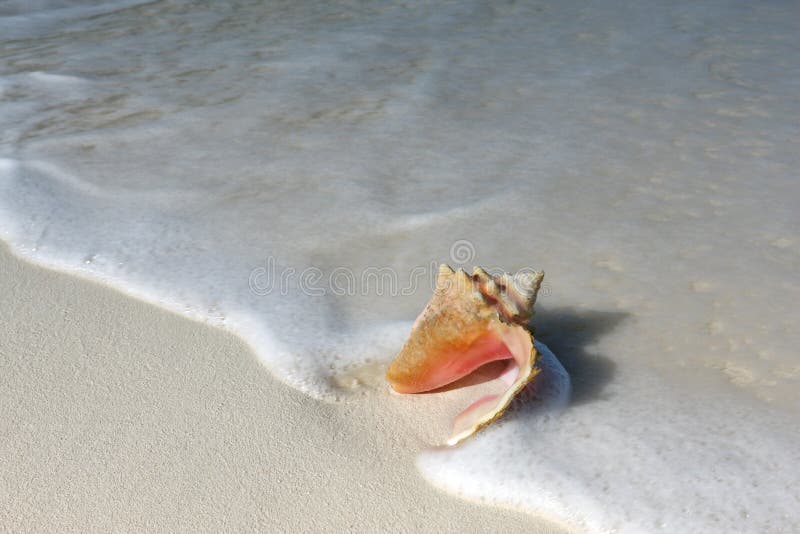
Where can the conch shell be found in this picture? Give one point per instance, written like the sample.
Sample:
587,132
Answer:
471,320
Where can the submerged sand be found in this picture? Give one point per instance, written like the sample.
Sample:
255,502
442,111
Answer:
120,416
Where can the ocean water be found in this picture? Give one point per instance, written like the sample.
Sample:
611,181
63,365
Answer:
295,171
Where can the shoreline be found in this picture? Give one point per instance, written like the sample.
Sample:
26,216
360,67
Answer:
123,415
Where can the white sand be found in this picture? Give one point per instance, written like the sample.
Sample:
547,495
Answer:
119,416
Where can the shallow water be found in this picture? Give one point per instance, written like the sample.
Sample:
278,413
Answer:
294,172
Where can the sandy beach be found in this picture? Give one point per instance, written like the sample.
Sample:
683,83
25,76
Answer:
219,221
119,416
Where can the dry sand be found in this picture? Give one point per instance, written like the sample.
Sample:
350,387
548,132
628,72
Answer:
119,416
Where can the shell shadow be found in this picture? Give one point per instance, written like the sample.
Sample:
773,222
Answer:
570,374
568,332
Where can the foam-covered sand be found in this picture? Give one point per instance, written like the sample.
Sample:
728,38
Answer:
118,416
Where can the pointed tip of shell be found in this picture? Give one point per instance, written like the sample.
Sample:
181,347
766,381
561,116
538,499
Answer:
513,295
480,274
525,285
445,272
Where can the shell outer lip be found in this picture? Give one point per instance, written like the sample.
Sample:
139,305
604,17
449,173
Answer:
507,397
